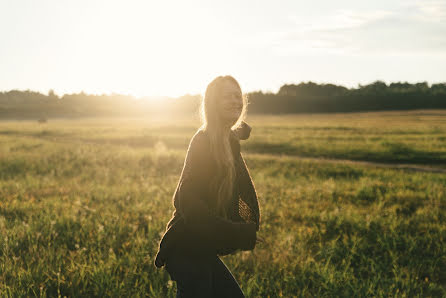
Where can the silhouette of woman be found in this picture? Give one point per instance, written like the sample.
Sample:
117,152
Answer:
216,207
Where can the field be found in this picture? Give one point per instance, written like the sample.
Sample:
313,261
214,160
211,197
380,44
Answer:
83,204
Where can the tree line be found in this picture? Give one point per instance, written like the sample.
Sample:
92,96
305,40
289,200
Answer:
306,97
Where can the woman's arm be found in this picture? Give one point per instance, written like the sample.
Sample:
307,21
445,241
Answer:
214,230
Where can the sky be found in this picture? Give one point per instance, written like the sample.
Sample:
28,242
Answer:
173,48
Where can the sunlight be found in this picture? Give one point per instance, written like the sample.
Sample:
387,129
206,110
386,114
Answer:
172,48
144,53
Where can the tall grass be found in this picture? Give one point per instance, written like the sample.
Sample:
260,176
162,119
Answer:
83,205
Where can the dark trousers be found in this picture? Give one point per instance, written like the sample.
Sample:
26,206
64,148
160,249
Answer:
202,277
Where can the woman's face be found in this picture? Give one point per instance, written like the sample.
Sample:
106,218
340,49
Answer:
231,103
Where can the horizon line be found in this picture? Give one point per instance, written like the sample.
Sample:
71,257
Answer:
112,93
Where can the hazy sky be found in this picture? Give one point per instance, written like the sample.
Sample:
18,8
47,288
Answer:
177,47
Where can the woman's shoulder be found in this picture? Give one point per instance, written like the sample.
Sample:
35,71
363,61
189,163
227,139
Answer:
199,143
200,138
198,152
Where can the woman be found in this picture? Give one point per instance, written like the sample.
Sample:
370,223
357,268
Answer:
216,208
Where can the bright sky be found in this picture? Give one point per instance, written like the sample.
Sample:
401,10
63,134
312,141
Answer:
177,47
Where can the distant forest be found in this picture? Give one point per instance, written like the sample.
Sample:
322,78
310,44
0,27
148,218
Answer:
301,98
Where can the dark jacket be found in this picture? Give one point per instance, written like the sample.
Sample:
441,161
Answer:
194,228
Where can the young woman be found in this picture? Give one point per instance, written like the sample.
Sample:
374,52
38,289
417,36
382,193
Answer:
216,208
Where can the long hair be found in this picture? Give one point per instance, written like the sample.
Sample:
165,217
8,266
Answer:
222,183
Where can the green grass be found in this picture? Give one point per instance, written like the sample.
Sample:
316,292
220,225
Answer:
396,137
83,203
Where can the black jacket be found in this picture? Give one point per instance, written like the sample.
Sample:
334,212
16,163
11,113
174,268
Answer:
194,228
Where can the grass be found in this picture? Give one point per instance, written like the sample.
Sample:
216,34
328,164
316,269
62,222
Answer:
83,204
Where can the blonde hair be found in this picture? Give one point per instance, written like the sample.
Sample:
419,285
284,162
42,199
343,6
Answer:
224,179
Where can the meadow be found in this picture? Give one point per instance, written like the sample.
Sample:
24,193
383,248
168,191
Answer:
352,205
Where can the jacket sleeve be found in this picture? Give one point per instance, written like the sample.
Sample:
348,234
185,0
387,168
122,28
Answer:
210,229
249,209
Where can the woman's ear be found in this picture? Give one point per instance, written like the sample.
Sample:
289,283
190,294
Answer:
243,131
